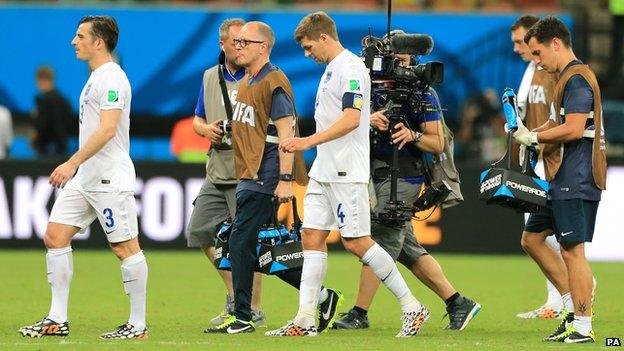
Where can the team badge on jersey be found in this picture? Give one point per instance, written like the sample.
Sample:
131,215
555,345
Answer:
327,77
113,96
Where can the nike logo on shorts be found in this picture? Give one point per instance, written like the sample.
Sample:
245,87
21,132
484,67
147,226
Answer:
567,233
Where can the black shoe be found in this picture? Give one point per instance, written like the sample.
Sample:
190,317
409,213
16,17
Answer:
327,310
560,333
45,327
232,326
351,320
578,338
461,314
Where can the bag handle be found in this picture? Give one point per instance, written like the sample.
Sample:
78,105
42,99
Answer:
296,219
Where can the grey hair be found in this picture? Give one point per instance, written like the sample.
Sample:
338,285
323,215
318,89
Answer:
224,28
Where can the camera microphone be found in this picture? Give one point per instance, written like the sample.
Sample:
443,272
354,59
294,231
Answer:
413,44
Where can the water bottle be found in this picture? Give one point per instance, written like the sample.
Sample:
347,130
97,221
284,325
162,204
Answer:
509,107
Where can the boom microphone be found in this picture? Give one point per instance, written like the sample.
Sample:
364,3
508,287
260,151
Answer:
413,44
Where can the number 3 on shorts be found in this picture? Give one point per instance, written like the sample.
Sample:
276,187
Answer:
108,214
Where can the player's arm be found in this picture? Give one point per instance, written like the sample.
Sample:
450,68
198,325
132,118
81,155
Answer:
102,135
578,100
572,129
349,120
285,130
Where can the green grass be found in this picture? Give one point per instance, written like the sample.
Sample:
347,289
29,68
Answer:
184,292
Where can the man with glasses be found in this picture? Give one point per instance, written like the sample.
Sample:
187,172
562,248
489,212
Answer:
264,115
216,201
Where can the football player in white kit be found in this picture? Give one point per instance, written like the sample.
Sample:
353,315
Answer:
337,195
98,182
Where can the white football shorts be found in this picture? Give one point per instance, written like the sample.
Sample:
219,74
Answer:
116,212
337,206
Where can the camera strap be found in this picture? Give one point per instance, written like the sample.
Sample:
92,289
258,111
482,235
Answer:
224,93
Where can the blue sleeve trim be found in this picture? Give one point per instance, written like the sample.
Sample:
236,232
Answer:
578,96
282,105
200,111
429,98
352,100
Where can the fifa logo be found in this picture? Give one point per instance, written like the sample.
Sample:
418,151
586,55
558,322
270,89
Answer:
536,95
244,113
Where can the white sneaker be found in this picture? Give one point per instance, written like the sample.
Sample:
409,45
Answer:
542,312
412,322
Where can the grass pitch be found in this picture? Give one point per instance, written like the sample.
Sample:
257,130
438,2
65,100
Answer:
184,292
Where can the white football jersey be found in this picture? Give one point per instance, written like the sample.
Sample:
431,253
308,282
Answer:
346,159
111,168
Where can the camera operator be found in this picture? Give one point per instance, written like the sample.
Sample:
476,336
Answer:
419,131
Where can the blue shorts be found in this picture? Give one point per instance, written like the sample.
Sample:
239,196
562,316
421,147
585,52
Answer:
571,221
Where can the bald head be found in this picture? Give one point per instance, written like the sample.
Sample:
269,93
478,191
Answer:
264,32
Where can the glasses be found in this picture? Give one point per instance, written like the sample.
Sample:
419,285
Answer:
244,42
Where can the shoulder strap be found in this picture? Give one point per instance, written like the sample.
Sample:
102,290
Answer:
226,97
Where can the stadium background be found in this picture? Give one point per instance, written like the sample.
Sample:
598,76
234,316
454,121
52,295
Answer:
164,47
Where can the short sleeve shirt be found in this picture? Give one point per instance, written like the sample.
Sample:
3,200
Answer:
414,119
346,159
111,168
574,179
200,111
268,173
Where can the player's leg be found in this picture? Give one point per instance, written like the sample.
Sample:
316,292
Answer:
384,267
352,211
390,239
553,296
538,227
312,277
317,224
553,267
328,301
117,215
70,213
553,307
575,220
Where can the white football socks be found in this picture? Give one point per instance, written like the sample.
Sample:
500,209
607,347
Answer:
60,267
134,274
582,324
386,270
554,297
567,302
312,276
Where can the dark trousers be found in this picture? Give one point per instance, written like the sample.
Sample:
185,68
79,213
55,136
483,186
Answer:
253,210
